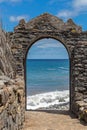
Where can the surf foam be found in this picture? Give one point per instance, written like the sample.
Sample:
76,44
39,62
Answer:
47,100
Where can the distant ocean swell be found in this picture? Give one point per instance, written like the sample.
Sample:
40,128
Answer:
48,100
47,84
60,68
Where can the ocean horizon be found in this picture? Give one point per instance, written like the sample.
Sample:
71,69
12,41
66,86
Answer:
47,81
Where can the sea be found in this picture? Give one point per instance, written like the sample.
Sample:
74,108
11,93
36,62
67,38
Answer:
47,83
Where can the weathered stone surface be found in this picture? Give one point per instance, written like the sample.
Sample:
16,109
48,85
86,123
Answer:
69,34
12,106
44,26
13,49
6,58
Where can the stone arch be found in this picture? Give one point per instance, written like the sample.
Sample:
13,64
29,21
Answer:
68,33
69,57
45,25
49,36
67,50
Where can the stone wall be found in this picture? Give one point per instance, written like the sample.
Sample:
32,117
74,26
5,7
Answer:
12,92
79,73
13,51
44,26
72,37
7,63
12,103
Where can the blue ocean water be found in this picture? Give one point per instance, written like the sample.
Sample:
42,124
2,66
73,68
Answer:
46,75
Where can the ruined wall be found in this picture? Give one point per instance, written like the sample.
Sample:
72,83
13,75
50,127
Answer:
13,49
75,41
7,63
44,26
12,107
12,92
79,76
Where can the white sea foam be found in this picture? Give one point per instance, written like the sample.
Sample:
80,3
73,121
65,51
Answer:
45,100
63,68
51,69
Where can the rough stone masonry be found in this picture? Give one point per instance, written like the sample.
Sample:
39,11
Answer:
20,41
12,107
12,93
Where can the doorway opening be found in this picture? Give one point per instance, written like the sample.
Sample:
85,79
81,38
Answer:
47,76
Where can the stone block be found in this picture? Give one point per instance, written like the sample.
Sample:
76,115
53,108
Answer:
2,97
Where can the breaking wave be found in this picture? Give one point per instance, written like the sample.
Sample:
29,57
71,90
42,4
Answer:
59,68
63,68
48,100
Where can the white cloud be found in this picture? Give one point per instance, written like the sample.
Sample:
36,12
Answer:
66,14
77,7
17,18
47,45
1,1
29,0
14,1
55,1
52,1
80,4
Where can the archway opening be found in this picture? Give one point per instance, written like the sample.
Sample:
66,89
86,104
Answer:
47,76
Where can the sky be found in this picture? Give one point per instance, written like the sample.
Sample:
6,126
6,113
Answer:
47,49
11,11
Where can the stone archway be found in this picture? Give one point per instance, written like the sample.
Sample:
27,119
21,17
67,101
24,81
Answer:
46,83
70,35
69,54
